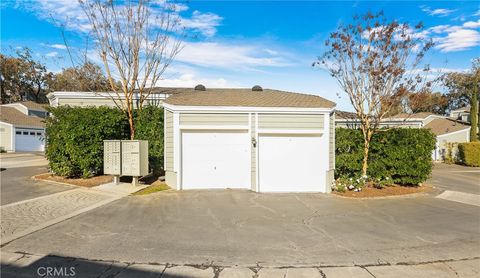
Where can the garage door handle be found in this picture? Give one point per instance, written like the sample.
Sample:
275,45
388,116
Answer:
215,168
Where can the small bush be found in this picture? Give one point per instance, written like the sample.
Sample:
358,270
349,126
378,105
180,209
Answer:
2,150
469,153
149,126
402,154
74,141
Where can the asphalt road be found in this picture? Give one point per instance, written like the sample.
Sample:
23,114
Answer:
245,228
456,178
16,183
229,227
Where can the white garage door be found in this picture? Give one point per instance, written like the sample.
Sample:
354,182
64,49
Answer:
215,160
291,163
28,140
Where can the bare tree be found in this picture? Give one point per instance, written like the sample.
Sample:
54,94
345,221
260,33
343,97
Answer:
137,41
373,60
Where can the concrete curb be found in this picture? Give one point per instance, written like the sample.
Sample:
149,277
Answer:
467,267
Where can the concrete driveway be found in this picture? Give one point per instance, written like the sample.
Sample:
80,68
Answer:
16,172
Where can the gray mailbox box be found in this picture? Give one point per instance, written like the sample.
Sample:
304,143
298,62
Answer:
134,158
112,157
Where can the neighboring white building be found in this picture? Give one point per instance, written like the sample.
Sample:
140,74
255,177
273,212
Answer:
22,126
447,130
461,114
84,99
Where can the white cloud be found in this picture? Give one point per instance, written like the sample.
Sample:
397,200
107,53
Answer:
190,80
204,23
472,24
70,14
271,51
55,45
458,39
51,54
437,12
230,56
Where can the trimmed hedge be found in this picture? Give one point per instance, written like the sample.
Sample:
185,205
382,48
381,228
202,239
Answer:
469,153
403,154
149,126
74,138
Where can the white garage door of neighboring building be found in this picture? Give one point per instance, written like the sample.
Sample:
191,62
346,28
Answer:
291,163
215,160
28,140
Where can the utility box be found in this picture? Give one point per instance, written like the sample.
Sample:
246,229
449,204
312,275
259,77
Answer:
112,157
134,158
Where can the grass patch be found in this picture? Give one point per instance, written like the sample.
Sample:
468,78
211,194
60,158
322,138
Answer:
154,187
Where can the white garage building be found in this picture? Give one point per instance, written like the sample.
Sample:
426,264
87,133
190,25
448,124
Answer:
22,127
261,140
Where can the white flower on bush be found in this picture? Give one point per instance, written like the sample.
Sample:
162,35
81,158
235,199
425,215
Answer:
351,187
387,178
365,177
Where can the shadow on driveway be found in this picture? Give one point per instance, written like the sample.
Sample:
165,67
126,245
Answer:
58,266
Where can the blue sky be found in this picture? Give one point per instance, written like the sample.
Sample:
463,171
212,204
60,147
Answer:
243,43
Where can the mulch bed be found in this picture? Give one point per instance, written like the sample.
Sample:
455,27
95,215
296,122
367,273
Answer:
89,182
395,190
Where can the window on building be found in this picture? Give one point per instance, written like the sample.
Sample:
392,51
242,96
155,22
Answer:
32,133
25,133
18,132
39,133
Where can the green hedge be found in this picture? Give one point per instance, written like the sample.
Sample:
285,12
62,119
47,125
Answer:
74,138
149,126
403,154
469,153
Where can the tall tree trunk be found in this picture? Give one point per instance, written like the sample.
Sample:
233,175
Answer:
474,115
131,121
367,137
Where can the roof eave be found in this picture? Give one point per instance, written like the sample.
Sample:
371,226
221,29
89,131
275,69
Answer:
192,108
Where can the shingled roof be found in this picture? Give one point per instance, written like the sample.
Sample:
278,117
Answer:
247,98
444,126
13,116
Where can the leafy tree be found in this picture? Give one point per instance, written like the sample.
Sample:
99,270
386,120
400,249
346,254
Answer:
464,89
427,101
23,78
86,77
372,59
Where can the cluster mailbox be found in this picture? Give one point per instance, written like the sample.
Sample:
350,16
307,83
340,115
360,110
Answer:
134,158
112,157
125,157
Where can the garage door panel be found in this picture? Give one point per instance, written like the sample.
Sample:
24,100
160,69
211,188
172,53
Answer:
29,140
215,160
289,163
